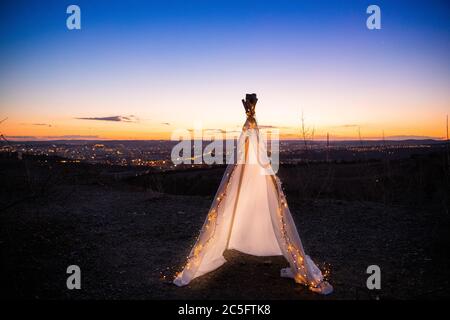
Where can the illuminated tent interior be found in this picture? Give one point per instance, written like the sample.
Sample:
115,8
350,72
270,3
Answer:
250,214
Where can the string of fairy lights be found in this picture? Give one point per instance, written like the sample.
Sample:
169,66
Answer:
195,252
297,255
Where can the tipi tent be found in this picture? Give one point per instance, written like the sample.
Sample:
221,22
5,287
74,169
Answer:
250,214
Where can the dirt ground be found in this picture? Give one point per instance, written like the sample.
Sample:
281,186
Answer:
124,240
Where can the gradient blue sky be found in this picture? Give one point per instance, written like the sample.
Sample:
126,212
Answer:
171,64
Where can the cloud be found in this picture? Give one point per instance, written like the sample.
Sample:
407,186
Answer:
63,137
129,118
263,127
215,130
74,136
347,126
21,137
42,124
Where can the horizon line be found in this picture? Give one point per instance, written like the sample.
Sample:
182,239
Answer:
288,139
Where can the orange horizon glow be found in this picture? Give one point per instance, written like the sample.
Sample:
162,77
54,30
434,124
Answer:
72,129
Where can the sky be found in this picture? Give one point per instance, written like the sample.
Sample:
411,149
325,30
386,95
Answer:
143,69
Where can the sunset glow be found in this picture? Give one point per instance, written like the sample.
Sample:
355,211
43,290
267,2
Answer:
140,70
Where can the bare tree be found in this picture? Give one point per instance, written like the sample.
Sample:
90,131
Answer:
328,146
359,136
304,131
307,133
446,143
2,137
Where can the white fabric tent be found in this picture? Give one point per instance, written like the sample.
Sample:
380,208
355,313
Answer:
250,214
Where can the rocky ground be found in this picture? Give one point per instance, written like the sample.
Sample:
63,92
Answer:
126,240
